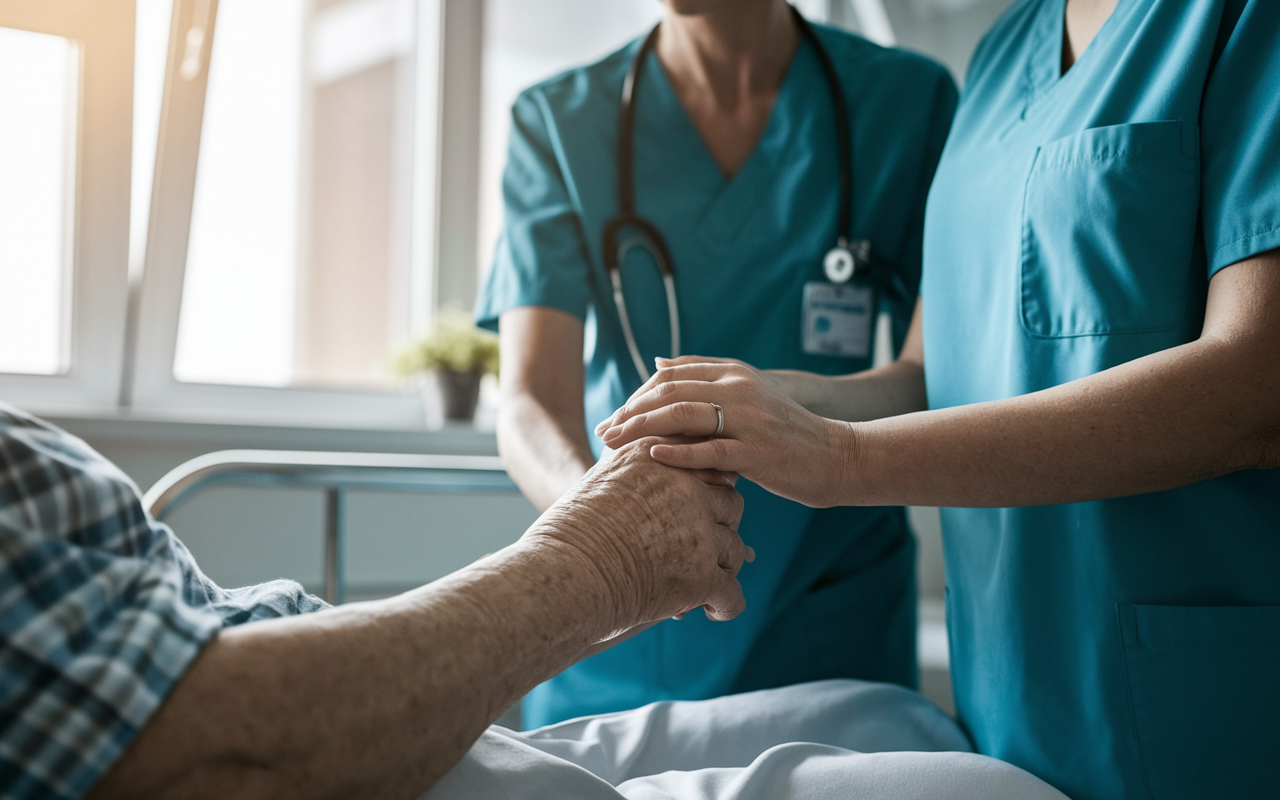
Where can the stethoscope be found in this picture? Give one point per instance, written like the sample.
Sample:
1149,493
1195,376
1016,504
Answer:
842,262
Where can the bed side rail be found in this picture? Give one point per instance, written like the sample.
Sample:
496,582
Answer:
335,474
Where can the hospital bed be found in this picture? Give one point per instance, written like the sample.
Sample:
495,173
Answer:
541,767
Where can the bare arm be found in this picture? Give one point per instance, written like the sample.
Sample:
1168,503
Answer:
1206,408
541,424
381,699
1175,417
895,388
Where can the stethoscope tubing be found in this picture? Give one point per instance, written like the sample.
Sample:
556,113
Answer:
673,310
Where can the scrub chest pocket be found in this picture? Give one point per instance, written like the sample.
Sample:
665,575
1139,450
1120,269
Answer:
1205,698
1108,230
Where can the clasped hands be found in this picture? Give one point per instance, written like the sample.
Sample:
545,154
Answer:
660,542
767,437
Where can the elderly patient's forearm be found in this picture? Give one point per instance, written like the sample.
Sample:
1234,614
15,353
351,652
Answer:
368,700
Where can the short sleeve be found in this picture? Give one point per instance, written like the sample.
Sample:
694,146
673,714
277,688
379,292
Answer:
102,611
1240,139
541,257
93,642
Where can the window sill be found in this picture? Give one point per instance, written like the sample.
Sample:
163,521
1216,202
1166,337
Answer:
456,438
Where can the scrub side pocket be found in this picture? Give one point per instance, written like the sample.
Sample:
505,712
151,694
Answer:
1205,698
1108,230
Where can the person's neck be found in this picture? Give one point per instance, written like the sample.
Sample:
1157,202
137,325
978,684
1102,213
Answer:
733,54
1083,20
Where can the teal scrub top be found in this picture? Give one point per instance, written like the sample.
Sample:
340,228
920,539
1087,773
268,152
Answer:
831,593
1124,648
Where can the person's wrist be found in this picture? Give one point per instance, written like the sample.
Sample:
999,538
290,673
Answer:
845,463
574,541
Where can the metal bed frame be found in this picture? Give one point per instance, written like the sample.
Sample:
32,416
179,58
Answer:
336,474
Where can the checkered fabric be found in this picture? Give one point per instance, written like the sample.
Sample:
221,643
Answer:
102,609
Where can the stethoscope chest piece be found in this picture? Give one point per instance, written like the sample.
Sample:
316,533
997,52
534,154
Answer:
845,260
838,264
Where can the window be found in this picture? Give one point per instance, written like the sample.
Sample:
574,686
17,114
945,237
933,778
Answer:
38,94
285,229
295,231
64,167
302,193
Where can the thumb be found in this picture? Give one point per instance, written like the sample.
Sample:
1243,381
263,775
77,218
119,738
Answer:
714,454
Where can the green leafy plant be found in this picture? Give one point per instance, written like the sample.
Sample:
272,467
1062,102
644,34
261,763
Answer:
454,344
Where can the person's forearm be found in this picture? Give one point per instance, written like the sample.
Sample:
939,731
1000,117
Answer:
545,452
896,388
382,699
372,699
1166,420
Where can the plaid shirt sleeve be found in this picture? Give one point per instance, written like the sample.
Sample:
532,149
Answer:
102,610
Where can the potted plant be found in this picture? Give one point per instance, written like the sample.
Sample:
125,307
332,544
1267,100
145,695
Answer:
459,354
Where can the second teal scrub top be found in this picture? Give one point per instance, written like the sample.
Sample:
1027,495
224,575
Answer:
1127,648
831,593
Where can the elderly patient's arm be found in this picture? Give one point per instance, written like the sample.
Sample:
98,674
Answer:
381,699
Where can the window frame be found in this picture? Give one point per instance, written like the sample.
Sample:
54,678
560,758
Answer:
104,32
447,67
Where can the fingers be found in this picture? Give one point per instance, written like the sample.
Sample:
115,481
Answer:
663,363
726,600
734,565
726,507
679,419
701,371
665,394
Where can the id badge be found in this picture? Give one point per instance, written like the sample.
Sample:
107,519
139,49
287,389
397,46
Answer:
837,319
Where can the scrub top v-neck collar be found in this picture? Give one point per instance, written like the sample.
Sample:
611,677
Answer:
725,217
1045,76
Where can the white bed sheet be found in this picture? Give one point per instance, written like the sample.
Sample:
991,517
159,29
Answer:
830,739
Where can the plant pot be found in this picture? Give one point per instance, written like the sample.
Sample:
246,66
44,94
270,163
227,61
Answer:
459,392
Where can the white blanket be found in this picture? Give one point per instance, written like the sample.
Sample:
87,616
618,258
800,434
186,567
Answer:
831,739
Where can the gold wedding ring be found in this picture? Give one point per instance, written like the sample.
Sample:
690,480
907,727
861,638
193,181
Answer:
719,420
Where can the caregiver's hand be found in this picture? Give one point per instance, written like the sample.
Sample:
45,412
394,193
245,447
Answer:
767,437
661,541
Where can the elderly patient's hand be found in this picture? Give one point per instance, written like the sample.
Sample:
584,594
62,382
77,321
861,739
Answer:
662,541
